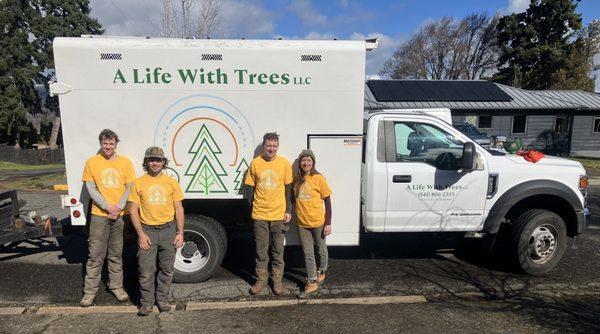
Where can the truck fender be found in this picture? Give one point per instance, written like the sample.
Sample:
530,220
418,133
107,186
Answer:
522,191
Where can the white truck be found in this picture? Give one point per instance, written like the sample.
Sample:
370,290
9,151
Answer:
207,103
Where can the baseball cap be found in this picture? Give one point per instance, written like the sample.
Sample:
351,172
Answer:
154,152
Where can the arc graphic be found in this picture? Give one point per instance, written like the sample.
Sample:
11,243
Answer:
209,142
204,119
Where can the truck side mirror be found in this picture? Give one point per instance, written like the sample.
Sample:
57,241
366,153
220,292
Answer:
468,156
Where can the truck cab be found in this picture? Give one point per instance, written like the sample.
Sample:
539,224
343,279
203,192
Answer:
420,174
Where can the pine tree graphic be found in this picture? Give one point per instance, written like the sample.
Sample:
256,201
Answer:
205,168
240,170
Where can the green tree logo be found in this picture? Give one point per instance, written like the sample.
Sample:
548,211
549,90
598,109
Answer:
240,170
206,169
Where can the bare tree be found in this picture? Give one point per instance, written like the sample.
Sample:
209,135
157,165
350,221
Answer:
447,49
190,18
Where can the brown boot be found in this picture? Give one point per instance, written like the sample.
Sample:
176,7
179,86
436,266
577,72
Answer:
310,288
277,284
262,277
320,277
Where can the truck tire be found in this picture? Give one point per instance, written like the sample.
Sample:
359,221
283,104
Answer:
539,241
203,251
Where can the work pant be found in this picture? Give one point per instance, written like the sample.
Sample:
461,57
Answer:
269,237
309,237
161,238
105,236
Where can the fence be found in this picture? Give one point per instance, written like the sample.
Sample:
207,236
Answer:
32,157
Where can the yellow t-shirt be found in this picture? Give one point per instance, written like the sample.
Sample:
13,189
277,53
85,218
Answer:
269,179
309,201
156,195
110,177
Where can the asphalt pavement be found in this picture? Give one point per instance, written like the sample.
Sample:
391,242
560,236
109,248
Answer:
464,292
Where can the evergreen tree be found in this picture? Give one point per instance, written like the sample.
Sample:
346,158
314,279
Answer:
29,27
17,71
535,45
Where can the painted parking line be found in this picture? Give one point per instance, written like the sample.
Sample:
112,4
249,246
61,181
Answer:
370,300
233,305
11,310
223,305
90,310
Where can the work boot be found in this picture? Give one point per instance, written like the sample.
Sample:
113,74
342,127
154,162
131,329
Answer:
164,307
261,281
310,288
277,284
120,294
87,300
144,311
320,277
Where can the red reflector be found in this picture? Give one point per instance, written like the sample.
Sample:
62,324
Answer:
73,200
76,213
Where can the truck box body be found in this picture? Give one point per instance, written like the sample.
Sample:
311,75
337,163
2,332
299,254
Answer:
207,103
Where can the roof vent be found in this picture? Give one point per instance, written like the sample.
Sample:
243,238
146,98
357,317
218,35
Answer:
111,56
212,56
310,58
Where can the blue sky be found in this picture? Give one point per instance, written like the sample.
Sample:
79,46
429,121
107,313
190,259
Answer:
391,21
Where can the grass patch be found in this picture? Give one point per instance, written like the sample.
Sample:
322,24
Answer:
5,165
588,162
591,165
35,182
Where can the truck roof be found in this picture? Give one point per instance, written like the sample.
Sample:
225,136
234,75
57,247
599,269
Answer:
158,42
442,113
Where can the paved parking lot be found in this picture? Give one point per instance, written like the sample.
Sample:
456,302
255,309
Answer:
391,264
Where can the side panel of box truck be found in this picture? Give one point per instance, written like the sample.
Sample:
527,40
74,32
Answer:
207,103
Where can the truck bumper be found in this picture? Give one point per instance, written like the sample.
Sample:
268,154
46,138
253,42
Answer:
583,220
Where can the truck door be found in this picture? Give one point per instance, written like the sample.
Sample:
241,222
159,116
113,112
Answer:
426,189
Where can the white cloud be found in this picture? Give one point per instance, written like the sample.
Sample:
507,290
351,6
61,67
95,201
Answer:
517,6
127,17
307,14
376,58
247,18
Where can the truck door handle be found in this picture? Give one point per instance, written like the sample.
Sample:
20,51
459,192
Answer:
402,178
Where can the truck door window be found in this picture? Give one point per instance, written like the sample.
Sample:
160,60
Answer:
419,142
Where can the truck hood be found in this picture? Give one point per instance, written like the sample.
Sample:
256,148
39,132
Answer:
547,160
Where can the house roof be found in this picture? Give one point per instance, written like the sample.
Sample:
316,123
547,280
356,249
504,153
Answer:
590,100
520,99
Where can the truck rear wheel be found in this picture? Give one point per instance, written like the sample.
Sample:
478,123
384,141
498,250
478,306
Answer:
203,251
539,241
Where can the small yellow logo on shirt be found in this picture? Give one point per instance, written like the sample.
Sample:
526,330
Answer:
268,179
109,178
304,193
157,195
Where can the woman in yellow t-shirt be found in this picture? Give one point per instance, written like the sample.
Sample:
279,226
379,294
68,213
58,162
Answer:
313,210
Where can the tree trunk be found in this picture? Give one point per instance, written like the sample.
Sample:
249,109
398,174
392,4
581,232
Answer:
54,133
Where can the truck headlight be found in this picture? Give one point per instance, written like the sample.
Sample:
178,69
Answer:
583,187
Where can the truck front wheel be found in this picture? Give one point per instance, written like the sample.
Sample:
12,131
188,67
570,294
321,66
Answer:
203,251
539,241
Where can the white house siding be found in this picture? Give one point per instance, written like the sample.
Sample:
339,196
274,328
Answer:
584,142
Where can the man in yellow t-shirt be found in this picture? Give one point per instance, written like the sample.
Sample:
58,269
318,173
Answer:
155,203
270,178
107,177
